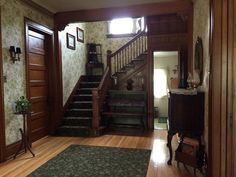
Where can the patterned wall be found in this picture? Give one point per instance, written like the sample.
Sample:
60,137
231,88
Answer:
73,61
201,29
96,32
12,24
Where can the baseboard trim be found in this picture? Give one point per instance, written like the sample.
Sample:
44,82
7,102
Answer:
11,150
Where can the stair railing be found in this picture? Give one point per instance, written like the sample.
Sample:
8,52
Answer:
124,56
98,97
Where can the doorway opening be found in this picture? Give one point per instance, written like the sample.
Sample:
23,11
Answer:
165,77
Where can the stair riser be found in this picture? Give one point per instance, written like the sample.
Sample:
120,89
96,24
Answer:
84,91
81,105
82,98
78,122
79,113
126,109
91,78
89,85
73,132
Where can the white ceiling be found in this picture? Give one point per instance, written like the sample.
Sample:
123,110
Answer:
71,5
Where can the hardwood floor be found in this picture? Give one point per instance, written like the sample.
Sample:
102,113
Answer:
49,147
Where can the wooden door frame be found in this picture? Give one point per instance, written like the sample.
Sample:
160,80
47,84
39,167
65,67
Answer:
52,68
221,136
233,160
2,118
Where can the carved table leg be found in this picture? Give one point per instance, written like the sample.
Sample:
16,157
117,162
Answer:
169,139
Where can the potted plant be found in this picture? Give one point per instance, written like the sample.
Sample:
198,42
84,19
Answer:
22,105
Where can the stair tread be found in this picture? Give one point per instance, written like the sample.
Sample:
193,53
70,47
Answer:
75,127
77,117
86,88
80,109
123,113
83,95
82,102
90,82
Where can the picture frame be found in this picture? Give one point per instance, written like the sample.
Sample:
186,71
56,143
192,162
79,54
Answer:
70,41
80,35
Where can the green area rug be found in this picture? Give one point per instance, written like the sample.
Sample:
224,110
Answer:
95,161
159,126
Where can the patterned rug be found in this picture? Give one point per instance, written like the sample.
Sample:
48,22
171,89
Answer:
95,161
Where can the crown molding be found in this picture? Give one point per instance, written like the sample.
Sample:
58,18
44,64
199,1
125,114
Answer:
38,7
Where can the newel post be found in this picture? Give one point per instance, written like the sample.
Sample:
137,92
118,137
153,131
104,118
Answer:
96,113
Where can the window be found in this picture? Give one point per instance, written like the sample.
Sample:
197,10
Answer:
160,83
121,26
124,26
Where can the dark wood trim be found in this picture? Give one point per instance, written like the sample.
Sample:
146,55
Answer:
190,41
233,165
230,75
70,98
220,93
38,7
58,56
150,93
64,18
11,149
2,118
52,67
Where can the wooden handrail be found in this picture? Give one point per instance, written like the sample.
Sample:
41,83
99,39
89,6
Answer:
128,43
118,60
98,97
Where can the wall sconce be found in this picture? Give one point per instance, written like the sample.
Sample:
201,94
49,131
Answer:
15,53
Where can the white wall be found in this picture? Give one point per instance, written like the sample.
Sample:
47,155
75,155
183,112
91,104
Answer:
167,62
73,61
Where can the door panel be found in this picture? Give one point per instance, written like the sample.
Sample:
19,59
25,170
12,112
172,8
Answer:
38,85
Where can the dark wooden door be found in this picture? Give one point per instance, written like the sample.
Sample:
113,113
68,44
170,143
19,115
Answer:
38,88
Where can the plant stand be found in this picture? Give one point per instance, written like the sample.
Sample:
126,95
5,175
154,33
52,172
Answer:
24,140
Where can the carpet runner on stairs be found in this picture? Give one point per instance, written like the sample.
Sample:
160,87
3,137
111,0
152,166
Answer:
78,118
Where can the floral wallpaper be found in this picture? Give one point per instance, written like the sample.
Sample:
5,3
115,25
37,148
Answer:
201,28
73,61
12,24
96,33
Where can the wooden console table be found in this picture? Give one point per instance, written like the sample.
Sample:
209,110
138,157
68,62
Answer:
24,140
186,115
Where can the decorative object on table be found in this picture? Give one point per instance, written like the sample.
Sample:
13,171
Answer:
198,59
196,81
189,81
22,107
99,161
130,84
80,35
70,41
15,53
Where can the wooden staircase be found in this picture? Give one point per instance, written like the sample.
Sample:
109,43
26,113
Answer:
78,117
87,110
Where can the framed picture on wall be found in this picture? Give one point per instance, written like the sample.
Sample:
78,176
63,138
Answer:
70,41
80,35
